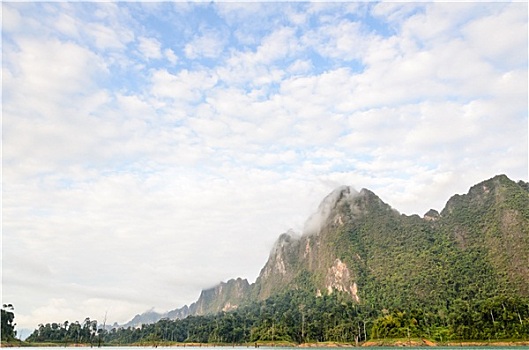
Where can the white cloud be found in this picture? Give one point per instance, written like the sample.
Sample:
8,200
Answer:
186,85
300,67
280,44
11,19
209,44
343,40
49,94
150,48
67,25
106,37
52,68
170,55
492,36
260,67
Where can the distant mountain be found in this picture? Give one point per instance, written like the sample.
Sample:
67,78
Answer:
149,317
476,248
224,297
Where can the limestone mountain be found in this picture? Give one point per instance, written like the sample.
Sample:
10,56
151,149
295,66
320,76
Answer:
310,260
224,297
476,248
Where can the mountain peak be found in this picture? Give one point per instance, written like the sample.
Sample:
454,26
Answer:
223,297
486,191
284,239
316,221
432,215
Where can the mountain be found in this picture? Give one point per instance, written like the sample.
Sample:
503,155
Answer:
223,297
355,244
226,296
477,247
310,260
150,316
491,222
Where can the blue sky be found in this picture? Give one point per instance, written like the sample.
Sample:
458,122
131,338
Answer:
151,150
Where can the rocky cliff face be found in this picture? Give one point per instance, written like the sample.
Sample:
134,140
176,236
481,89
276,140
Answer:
339,278
224,297
312,254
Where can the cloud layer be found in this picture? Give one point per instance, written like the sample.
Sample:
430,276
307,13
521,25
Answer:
154,149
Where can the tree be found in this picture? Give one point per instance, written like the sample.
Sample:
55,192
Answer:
8,327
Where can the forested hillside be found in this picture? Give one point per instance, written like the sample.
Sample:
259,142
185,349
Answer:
477,248
361,270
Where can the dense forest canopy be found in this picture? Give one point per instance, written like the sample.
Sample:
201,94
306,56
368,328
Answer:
299,317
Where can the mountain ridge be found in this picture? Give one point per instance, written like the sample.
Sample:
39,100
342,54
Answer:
357,244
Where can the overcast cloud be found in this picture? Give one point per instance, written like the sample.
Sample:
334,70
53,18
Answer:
151,150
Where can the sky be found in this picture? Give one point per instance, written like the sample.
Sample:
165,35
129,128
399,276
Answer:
151,150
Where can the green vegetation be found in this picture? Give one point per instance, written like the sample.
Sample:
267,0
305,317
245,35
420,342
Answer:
301,317
8,325
74,332
293,317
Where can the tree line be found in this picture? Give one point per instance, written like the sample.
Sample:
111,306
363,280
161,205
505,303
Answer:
301,317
